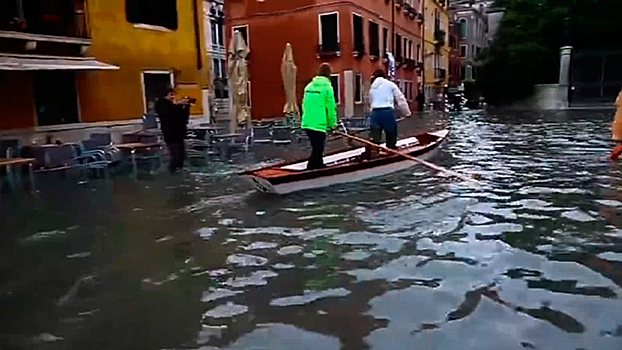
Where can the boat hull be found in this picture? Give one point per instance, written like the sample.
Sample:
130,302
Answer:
263,185
293,177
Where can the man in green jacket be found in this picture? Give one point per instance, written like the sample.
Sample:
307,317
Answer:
318,114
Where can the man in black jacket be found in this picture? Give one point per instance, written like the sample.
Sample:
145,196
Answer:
173,122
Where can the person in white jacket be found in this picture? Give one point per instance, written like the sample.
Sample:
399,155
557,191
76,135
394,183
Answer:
385,98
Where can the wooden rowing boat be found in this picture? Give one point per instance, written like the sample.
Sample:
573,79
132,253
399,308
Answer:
342,166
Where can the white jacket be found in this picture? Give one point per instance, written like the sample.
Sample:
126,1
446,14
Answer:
385,94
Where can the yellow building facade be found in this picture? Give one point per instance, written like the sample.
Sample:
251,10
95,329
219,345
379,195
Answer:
101,62
436,49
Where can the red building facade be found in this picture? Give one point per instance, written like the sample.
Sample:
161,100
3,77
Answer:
350,35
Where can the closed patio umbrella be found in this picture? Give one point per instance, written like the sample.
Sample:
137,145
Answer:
238,76
288,72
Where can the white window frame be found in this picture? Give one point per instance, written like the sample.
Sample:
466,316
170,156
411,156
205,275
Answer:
338,95
248,34
319,26
142,82
358,76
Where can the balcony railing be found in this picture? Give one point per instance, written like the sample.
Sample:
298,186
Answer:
329,49
439,37
56,19
359,50
440,74
410,63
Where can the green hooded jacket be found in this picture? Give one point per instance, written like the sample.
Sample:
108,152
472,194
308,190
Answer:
318,105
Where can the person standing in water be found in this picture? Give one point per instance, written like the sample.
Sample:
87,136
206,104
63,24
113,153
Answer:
616,128
174,117
386,98
319,114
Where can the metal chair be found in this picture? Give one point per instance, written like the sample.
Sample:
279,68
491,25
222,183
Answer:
282,135
262,134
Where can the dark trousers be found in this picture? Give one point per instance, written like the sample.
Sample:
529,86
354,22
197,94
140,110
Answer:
177,154
317,138
383,119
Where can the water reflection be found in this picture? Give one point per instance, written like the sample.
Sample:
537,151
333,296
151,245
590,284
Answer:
530,260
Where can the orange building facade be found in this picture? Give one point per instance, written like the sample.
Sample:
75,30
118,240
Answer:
352,36
79,64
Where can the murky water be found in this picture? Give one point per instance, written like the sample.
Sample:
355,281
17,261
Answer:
415,260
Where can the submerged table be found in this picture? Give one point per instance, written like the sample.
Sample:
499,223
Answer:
137,146
9,163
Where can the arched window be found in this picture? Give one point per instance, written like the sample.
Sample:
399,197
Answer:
463,28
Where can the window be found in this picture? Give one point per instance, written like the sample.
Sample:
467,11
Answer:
419,52
216,69
144,12
359,41
374,38
469,73
155,84
244,31
248,93
478,50
358,88
463,28
223,69
462,72
406,54
463,51
56,99
385,41
410,49
334,80
329,31
217,33
398,47
472,50
220,68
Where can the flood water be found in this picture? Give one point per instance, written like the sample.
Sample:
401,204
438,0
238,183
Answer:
414,260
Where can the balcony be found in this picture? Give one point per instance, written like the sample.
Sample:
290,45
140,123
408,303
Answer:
440,74
410,63
439,37
359,50
58,21
329,49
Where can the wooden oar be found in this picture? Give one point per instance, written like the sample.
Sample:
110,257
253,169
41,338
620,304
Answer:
357,132
409,157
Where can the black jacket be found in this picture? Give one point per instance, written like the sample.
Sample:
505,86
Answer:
173,119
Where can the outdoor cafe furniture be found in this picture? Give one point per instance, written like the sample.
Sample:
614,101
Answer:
138,147
9,163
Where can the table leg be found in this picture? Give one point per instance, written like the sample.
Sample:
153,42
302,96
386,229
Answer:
9,176
31,174
134,165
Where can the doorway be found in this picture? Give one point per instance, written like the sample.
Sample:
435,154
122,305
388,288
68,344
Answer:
155,84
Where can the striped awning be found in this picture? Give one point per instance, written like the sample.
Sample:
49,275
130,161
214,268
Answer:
15,62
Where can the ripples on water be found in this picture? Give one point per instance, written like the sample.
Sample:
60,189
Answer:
412,260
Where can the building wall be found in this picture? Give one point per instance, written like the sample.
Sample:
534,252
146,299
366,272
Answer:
118,95
433,85
273,24
17,105
477,35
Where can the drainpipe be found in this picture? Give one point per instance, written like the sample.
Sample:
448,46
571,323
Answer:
423,50
393,27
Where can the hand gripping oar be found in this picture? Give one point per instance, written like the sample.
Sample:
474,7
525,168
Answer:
409,157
